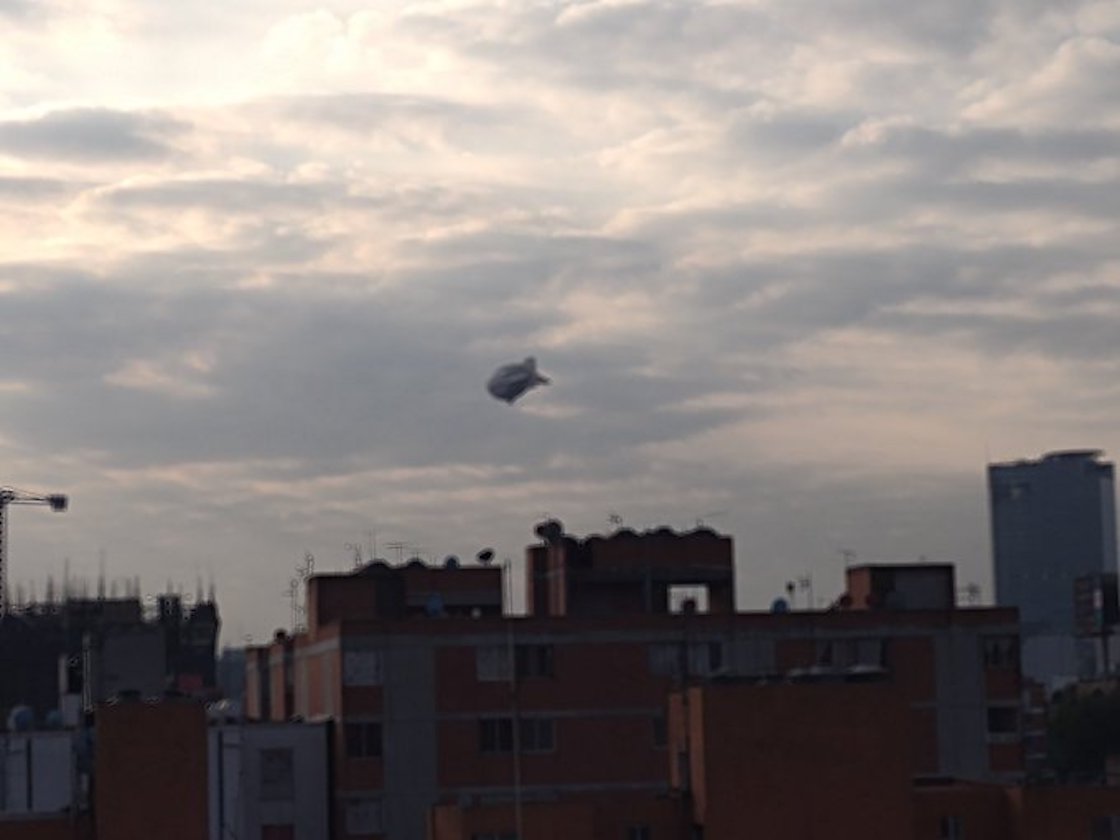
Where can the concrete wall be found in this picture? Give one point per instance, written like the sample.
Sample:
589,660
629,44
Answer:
268,775
36,773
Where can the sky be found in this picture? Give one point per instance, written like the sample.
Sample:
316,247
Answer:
798,270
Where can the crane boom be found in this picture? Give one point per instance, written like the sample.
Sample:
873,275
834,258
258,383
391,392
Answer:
11,496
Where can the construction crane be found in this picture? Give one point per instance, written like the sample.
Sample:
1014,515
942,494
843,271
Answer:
11,496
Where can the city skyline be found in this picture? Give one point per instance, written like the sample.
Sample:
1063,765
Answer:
799,270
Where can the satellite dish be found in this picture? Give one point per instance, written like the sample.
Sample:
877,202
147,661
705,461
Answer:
780,605
451,562
486,556
21,719
550,531
511,381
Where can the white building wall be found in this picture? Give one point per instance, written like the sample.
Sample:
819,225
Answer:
36,772
268,774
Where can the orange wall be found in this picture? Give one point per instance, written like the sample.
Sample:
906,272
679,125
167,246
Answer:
983,811
151,768
585,817
798,761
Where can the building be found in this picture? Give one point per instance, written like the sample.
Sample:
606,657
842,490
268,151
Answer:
150,771
796,761
1053,520
269,781
74,653
164,767
467,709
629,573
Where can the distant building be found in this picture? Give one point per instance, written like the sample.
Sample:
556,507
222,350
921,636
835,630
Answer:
86,650
1053,520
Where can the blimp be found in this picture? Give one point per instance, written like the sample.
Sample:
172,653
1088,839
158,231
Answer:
511,381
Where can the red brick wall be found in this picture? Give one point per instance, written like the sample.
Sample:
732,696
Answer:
982,812
151,771
797,761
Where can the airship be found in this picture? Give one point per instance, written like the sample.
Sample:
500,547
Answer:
511,381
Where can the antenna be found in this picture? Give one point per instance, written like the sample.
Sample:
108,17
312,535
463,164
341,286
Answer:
399,548
702,519
356,550
971,593
848,556
614,519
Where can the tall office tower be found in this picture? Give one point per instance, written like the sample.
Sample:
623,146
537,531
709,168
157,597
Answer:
1053,520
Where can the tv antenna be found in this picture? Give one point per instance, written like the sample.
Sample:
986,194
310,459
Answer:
702,519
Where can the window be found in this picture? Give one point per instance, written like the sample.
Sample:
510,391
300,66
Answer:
363,740
1003,720
277,778
660,731
491,663
638,832
538,735
495,735
532,660
1105,828
951,829
361,668
850,653
1000,652
705,658
363,816
701,658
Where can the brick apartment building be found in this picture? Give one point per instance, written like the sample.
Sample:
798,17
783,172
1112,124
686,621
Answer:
440,700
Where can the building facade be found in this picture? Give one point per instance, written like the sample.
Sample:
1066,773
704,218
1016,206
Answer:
469,710
1053,520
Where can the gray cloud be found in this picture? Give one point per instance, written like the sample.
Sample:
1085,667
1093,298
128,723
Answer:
763,252
92,135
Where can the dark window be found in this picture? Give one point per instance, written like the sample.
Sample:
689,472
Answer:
495,735
363,740
538,735
852,653
1001,652
951,829
660,731
534,661
277,779
638,832
1003,720
1105,828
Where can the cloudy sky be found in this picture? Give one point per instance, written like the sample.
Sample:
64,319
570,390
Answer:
798,268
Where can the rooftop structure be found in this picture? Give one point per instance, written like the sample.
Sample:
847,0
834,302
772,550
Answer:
627,572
